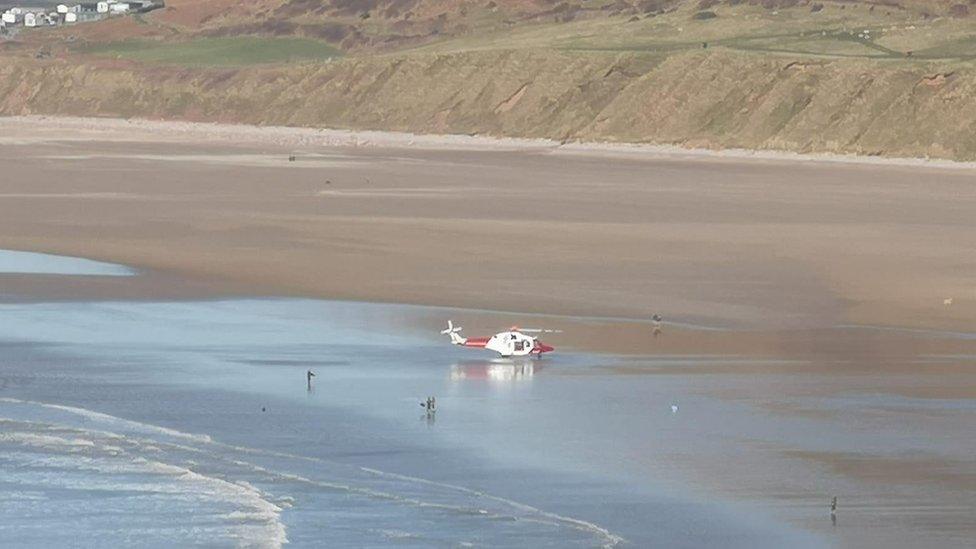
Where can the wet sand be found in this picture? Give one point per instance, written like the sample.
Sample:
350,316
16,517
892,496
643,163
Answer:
778,280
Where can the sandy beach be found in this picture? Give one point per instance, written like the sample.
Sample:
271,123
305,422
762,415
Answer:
825,297
506,225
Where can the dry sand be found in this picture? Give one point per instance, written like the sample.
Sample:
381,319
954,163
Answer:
761,263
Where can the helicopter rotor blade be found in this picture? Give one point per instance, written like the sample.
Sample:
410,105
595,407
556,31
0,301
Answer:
451,328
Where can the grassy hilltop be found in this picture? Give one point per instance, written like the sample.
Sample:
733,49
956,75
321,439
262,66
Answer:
850,77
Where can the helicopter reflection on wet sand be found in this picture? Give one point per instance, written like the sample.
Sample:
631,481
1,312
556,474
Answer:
499,369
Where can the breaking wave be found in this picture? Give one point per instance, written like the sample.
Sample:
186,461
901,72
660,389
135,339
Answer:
233,493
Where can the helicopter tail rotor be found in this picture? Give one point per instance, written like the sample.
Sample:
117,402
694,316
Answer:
453,331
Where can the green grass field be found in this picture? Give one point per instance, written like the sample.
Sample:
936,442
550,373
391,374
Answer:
834,32
217,52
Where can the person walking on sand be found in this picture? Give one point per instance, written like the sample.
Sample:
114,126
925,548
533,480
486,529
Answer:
308,378
656,319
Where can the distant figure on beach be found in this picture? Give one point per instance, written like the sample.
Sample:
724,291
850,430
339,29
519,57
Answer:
430,406
308,378
657,324
674,408
833,511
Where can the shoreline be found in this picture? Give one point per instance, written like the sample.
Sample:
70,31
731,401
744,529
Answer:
331,137
608,336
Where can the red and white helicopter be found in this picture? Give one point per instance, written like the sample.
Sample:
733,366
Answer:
513,342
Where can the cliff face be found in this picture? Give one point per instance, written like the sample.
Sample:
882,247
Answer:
705,99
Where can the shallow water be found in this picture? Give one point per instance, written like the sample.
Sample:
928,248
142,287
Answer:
189,423
16,262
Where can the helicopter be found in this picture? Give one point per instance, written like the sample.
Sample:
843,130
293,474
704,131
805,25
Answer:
512,342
